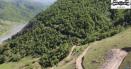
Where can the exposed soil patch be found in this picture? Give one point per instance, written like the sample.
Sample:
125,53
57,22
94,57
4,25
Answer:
114,58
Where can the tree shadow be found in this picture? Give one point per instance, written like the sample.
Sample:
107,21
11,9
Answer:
127,49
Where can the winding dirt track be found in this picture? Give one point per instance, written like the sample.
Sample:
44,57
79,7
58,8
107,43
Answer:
72,49
68,57
15,29
79,60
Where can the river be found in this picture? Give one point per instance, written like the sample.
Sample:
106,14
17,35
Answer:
14,30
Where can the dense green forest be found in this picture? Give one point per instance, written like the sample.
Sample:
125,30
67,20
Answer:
50,35
20,10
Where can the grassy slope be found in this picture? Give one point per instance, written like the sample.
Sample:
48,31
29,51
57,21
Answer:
17,65
96,53
19,10
100,48
10,13
5,26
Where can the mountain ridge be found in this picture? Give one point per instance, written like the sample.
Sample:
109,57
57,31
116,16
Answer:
18,10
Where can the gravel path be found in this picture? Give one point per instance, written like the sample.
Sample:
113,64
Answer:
15,29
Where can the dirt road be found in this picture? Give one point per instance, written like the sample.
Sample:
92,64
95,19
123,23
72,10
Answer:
15,29
114,59
79,60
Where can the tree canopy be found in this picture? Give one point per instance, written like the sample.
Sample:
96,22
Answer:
51,33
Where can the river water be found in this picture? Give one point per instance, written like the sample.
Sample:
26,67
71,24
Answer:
15,29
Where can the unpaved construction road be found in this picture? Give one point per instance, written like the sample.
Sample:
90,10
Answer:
114,59
14,30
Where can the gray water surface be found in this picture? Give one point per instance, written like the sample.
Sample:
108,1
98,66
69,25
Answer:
14,30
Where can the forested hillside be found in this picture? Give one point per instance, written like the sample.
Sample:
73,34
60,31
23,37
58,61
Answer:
50,35
18,10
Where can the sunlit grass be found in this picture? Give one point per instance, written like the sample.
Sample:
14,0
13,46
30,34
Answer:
95,56
17,65
5,26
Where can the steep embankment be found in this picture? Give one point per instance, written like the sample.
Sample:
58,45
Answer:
50,35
